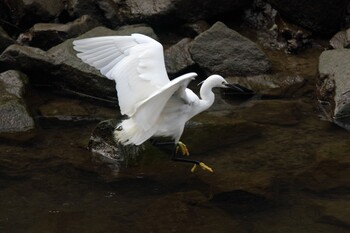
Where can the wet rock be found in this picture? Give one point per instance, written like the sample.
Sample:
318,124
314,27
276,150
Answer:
224,51
341,39
311,14
47,35
271,85
330,170
334,86
178,58
109,157
15,122
5,40
274,112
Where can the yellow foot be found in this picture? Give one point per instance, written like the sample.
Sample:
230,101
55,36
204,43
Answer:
183,148
203,166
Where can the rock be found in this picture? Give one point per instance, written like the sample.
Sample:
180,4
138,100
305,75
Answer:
47,35
224,51
163,12
276,85
104,11
109,157
5,40
274,112
15,122
311,14
334,86
330,170
178,58
59,66
341,39
25,13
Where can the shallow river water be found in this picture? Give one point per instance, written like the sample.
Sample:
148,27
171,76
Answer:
262,181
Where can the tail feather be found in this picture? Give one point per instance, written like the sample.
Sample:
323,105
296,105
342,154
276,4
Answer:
128,132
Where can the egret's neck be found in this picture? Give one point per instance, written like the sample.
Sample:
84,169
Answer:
207,96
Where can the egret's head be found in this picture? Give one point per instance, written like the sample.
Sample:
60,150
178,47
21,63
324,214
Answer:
218,81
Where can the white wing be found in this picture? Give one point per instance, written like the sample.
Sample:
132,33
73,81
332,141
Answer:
149,110
135,62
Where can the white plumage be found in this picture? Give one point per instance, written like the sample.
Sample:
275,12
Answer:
155,106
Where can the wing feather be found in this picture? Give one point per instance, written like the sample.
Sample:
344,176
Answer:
135,62
149,110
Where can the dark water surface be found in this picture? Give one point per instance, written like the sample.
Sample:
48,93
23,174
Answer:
50,185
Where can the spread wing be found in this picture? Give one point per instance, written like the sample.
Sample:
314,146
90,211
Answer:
135,62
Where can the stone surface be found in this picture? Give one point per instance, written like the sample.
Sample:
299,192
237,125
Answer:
334,86
311,14
277,85
224,51
341,39
47,35
335,212
178,58
15,121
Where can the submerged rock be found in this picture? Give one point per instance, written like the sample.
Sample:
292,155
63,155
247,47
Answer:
224,51
334,86
15,121
331,169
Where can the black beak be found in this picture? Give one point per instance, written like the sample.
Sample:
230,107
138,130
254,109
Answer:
235,87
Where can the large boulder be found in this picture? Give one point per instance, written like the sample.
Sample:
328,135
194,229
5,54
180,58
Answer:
334,86
224,51
15,122
325,17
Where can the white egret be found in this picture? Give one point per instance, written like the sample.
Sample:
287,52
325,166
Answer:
154,104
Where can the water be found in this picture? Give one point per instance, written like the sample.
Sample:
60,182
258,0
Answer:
262,158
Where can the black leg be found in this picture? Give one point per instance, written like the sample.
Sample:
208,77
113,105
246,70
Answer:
177,159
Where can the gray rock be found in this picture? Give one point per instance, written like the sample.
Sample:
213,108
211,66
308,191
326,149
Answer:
196,28
271,85
15,122
311,14
47,35
5,40
334,86
341,39
178,58
176,11
224,51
